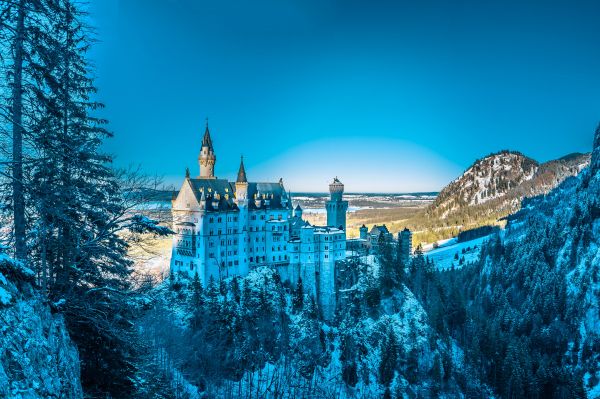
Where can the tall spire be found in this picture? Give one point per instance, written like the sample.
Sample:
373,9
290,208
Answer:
206,140
241,177
207,157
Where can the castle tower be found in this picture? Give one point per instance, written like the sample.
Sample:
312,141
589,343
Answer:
241,200
336,206
363,232
241,183
405,246
207,158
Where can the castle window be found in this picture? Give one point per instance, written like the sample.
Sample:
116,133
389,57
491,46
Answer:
211,220
229,263
251,259
219,220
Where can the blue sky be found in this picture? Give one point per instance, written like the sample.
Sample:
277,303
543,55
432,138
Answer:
390,96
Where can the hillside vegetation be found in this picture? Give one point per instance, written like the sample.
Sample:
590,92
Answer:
492,188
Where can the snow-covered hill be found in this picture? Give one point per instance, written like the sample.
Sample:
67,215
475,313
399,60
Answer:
496,184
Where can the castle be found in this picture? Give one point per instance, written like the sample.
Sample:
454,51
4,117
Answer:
224,229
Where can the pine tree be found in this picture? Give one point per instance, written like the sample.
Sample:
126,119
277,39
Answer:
389,356
79,209
388,274
196,303
298,298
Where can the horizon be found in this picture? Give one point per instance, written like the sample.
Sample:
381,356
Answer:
394,97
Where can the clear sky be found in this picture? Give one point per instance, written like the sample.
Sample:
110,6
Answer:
390,96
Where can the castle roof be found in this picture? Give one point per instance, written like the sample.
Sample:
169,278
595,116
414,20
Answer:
241,177
206,140
379,229
219,194
298,208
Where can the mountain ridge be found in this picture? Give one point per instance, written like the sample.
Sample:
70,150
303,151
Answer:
494,186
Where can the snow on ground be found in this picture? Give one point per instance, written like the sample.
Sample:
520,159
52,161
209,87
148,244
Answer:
450,252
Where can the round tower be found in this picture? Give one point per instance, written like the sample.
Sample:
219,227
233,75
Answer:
336,206
336,190
207,157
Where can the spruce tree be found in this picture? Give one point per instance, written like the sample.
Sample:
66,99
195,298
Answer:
80,210
298,298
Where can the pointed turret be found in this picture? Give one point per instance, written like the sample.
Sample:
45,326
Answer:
241,185
241,176
298,211
206,140
207,157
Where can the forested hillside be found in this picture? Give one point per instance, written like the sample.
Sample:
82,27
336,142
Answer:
67,300
532,325
492,188
258,337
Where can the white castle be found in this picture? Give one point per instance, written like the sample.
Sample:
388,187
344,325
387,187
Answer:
225,229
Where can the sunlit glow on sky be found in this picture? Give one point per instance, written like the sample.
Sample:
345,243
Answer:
389,96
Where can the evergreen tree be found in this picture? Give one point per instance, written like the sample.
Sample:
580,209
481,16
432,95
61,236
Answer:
388,274
389,356
79,210
298,298
196,303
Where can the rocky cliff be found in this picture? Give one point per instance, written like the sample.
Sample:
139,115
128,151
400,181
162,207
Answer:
37,357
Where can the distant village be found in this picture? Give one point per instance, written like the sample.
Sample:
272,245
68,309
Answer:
225,229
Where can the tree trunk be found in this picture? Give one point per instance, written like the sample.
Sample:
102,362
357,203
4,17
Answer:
17,148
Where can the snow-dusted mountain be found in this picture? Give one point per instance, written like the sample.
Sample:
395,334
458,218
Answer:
495,185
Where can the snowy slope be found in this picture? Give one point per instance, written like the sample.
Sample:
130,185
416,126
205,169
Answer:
445,257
